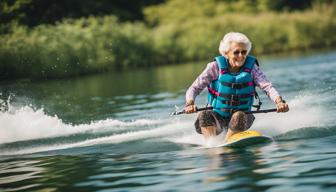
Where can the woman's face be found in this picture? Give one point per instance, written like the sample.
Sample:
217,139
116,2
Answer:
236,54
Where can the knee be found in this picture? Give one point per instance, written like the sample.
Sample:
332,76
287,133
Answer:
238,115
205,114
206,119
238,122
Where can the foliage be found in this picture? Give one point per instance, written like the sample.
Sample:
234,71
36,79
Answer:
74,47
171,34
36,12
199,36
181,11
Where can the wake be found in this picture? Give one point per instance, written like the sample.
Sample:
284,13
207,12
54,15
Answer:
26,130
26,123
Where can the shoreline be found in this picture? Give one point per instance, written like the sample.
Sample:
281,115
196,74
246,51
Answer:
261,56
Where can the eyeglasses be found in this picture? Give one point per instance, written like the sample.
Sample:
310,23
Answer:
243,52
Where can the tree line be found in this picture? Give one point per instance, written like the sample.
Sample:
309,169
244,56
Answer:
54,39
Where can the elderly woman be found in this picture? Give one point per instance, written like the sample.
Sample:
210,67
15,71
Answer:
231,80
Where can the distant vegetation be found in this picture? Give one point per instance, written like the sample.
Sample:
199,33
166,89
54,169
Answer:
92,37
37,12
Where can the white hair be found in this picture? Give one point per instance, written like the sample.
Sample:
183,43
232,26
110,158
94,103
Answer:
233,37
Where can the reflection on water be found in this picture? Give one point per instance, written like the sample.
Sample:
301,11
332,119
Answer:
250,169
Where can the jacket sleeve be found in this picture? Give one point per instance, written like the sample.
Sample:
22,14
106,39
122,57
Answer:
263,83
209,74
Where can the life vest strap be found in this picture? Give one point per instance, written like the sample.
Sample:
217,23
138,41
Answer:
231,111
226,70
223,71
236,97
247,70
234,103
259,103
232,97
237,85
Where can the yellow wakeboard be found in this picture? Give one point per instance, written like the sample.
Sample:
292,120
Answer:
246,138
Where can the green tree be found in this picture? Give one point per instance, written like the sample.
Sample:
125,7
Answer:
35,12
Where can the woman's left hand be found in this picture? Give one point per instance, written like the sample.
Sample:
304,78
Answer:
282,107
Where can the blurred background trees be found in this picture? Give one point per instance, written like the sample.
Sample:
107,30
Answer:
36,12
60,38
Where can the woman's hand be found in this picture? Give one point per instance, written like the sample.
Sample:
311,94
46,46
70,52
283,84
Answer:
190,107
281,105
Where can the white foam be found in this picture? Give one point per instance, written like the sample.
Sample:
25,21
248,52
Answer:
26,123
303,113
162,131
194,138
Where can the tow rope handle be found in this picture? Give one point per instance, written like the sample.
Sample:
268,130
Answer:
210,108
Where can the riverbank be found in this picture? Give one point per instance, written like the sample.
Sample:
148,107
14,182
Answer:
99,44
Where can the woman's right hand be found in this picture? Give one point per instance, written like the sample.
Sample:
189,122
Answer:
190,108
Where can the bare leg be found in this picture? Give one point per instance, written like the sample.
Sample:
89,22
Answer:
238,123
207,124
209,131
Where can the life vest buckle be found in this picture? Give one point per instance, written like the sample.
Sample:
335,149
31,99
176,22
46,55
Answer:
236,86
233,103
234,98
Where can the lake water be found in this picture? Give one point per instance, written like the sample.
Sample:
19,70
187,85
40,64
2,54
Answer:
113,132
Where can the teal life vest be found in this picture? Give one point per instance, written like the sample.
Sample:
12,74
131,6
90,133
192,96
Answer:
232,92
